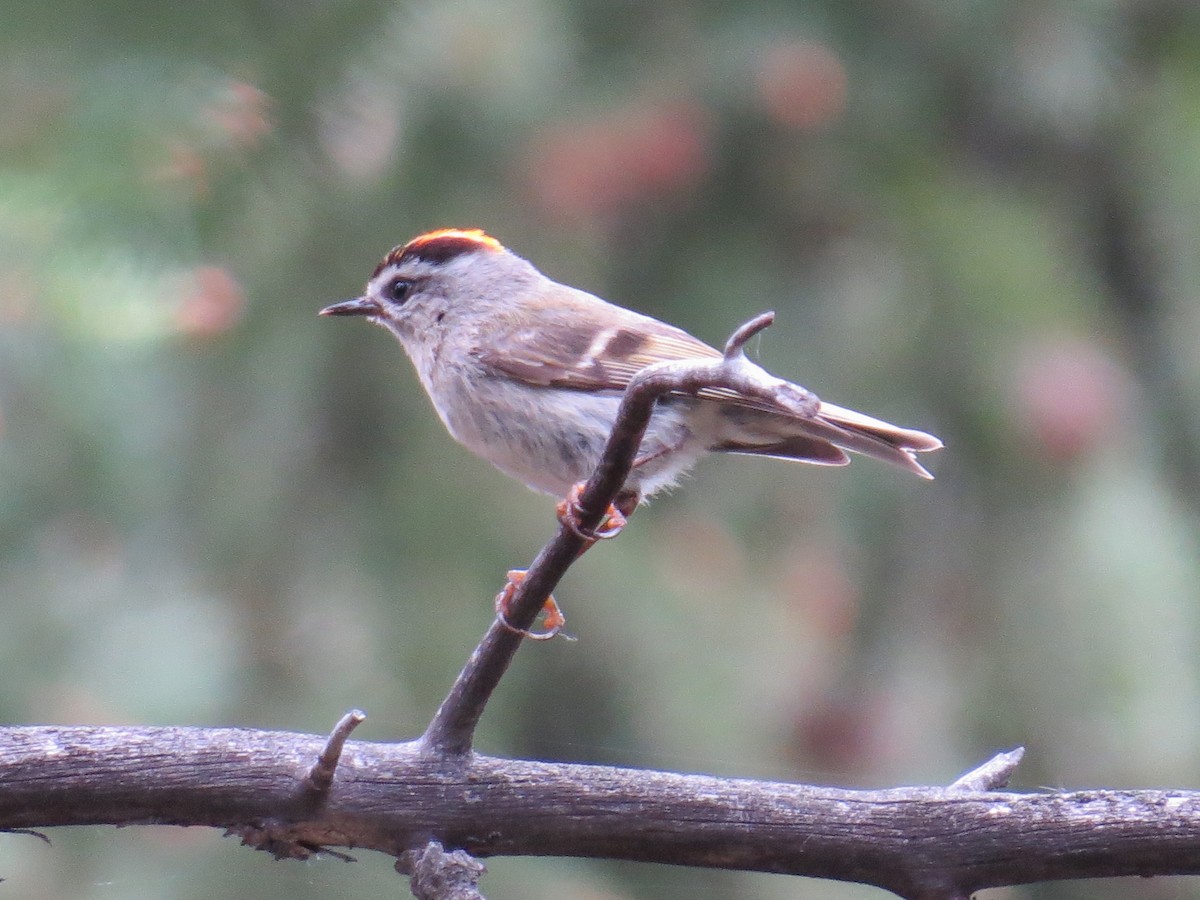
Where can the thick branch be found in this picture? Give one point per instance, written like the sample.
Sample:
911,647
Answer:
453,725
918,842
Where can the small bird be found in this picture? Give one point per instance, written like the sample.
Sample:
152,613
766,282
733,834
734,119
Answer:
528,374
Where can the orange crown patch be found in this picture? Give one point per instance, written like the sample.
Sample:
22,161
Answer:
472,236
442,245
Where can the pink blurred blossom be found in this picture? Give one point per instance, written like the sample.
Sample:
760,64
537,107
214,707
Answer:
841,734
801,85
239,114
233,122
815,583
1070,396
600,167
213,304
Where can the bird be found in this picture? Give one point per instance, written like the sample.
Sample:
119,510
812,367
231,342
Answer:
529,373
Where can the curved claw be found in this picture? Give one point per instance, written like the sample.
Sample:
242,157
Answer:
569,513
552,622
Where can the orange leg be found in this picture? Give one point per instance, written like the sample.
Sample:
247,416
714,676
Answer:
614,521
553,620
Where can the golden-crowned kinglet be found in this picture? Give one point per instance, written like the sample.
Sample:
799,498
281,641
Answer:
528,373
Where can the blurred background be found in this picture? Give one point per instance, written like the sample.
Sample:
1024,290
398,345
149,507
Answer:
978,219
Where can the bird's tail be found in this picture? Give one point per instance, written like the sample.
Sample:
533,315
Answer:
824,438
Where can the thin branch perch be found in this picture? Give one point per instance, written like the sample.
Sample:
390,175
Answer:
452,729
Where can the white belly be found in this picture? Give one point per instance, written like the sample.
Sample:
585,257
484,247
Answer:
551,438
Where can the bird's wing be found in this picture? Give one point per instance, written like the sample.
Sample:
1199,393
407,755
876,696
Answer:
599,348
564,347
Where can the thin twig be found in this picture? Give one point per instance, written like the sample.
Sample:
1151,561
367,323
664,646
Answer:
320,776
453,726
29,831
738,340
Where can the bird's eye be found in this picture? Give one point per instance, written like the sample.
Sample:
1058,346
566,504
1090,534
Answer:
398,289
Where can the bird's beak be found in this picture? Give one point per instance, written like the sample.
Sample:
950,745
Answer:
359,306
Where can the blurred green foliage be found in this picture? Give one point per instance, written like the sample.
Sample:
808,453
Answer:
215,508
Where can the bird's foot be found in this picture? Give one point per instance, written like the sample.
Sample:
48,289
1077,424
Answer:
615,517
552,618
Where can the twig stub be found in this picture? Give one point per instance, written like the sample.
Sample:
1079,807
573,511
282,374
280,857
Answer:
738,340
438,875
320,776
992,775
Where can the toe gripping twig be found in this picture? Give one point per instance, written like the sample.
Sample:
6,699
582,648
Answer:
453,726
553,622
569,512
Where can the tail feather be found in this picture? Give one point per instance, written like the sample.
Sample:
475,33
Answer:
801,447
917,441
824,438
873,437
